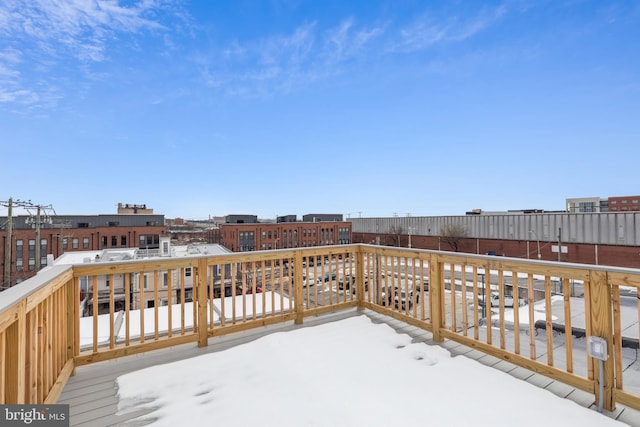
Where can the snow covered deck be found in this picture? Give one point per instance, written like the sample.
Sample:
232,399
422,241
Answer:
93,399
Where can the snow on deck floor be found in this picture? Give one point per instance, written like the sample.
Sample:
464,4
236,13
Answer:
350,372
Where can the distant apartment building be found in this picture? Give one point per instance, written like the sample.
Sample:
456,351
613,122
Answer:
287,218
624,204
241,219
131,209
286,233
587,205
597,204
30,245
322,217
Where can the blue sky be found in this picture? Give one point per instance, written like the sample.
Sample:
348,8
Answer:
294,107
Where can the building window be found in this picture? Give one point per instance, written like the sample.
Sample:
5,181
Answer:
74,243
113,223
65,243
83,225
85,243
165,279
264,234
624,202
19,255
32,254
114,241
43,252
634,201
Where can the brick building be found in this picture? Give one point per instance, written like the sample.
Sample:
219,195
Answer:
624,204
243,237
63,233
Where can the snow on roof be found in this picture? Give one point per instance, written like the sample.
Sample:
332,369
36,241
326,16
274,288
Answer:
126,254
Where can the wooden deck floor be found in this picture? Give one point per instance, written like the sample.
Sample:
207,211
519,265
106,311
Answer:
91,393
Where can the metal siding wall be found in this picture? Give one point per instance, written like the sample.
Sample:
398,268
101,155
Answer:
592,228
588,228
630,227
611,230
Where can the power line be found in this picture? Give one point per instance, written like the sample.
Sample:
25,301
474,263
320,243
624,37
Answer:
37,222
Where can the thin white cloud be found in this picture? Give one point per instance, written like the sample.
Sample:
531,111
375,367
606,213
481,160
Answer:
39,34
78,26
258,68
20,96
290,49
345,41
283,62
429,31
484,20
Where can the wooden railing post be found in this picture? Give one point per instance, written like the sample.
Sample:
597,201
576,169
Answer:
600,313
202,303
298,299
16,336
436,294
73,318
360,278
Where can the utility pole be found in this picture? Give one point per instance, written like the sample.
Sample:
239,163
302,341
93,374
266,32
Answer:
38,245
7,246
538,240
9,204
559,244
38,225
61,236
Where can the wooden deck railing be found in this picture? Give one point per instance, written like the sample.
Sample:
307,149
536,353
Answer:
71,316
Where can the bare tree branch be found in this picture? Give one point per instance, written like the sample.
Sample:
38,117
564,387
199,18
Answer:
452,235
394,233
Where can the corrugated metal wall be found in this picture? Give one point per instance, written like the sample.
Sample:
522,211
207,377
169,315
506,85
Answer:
593,228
